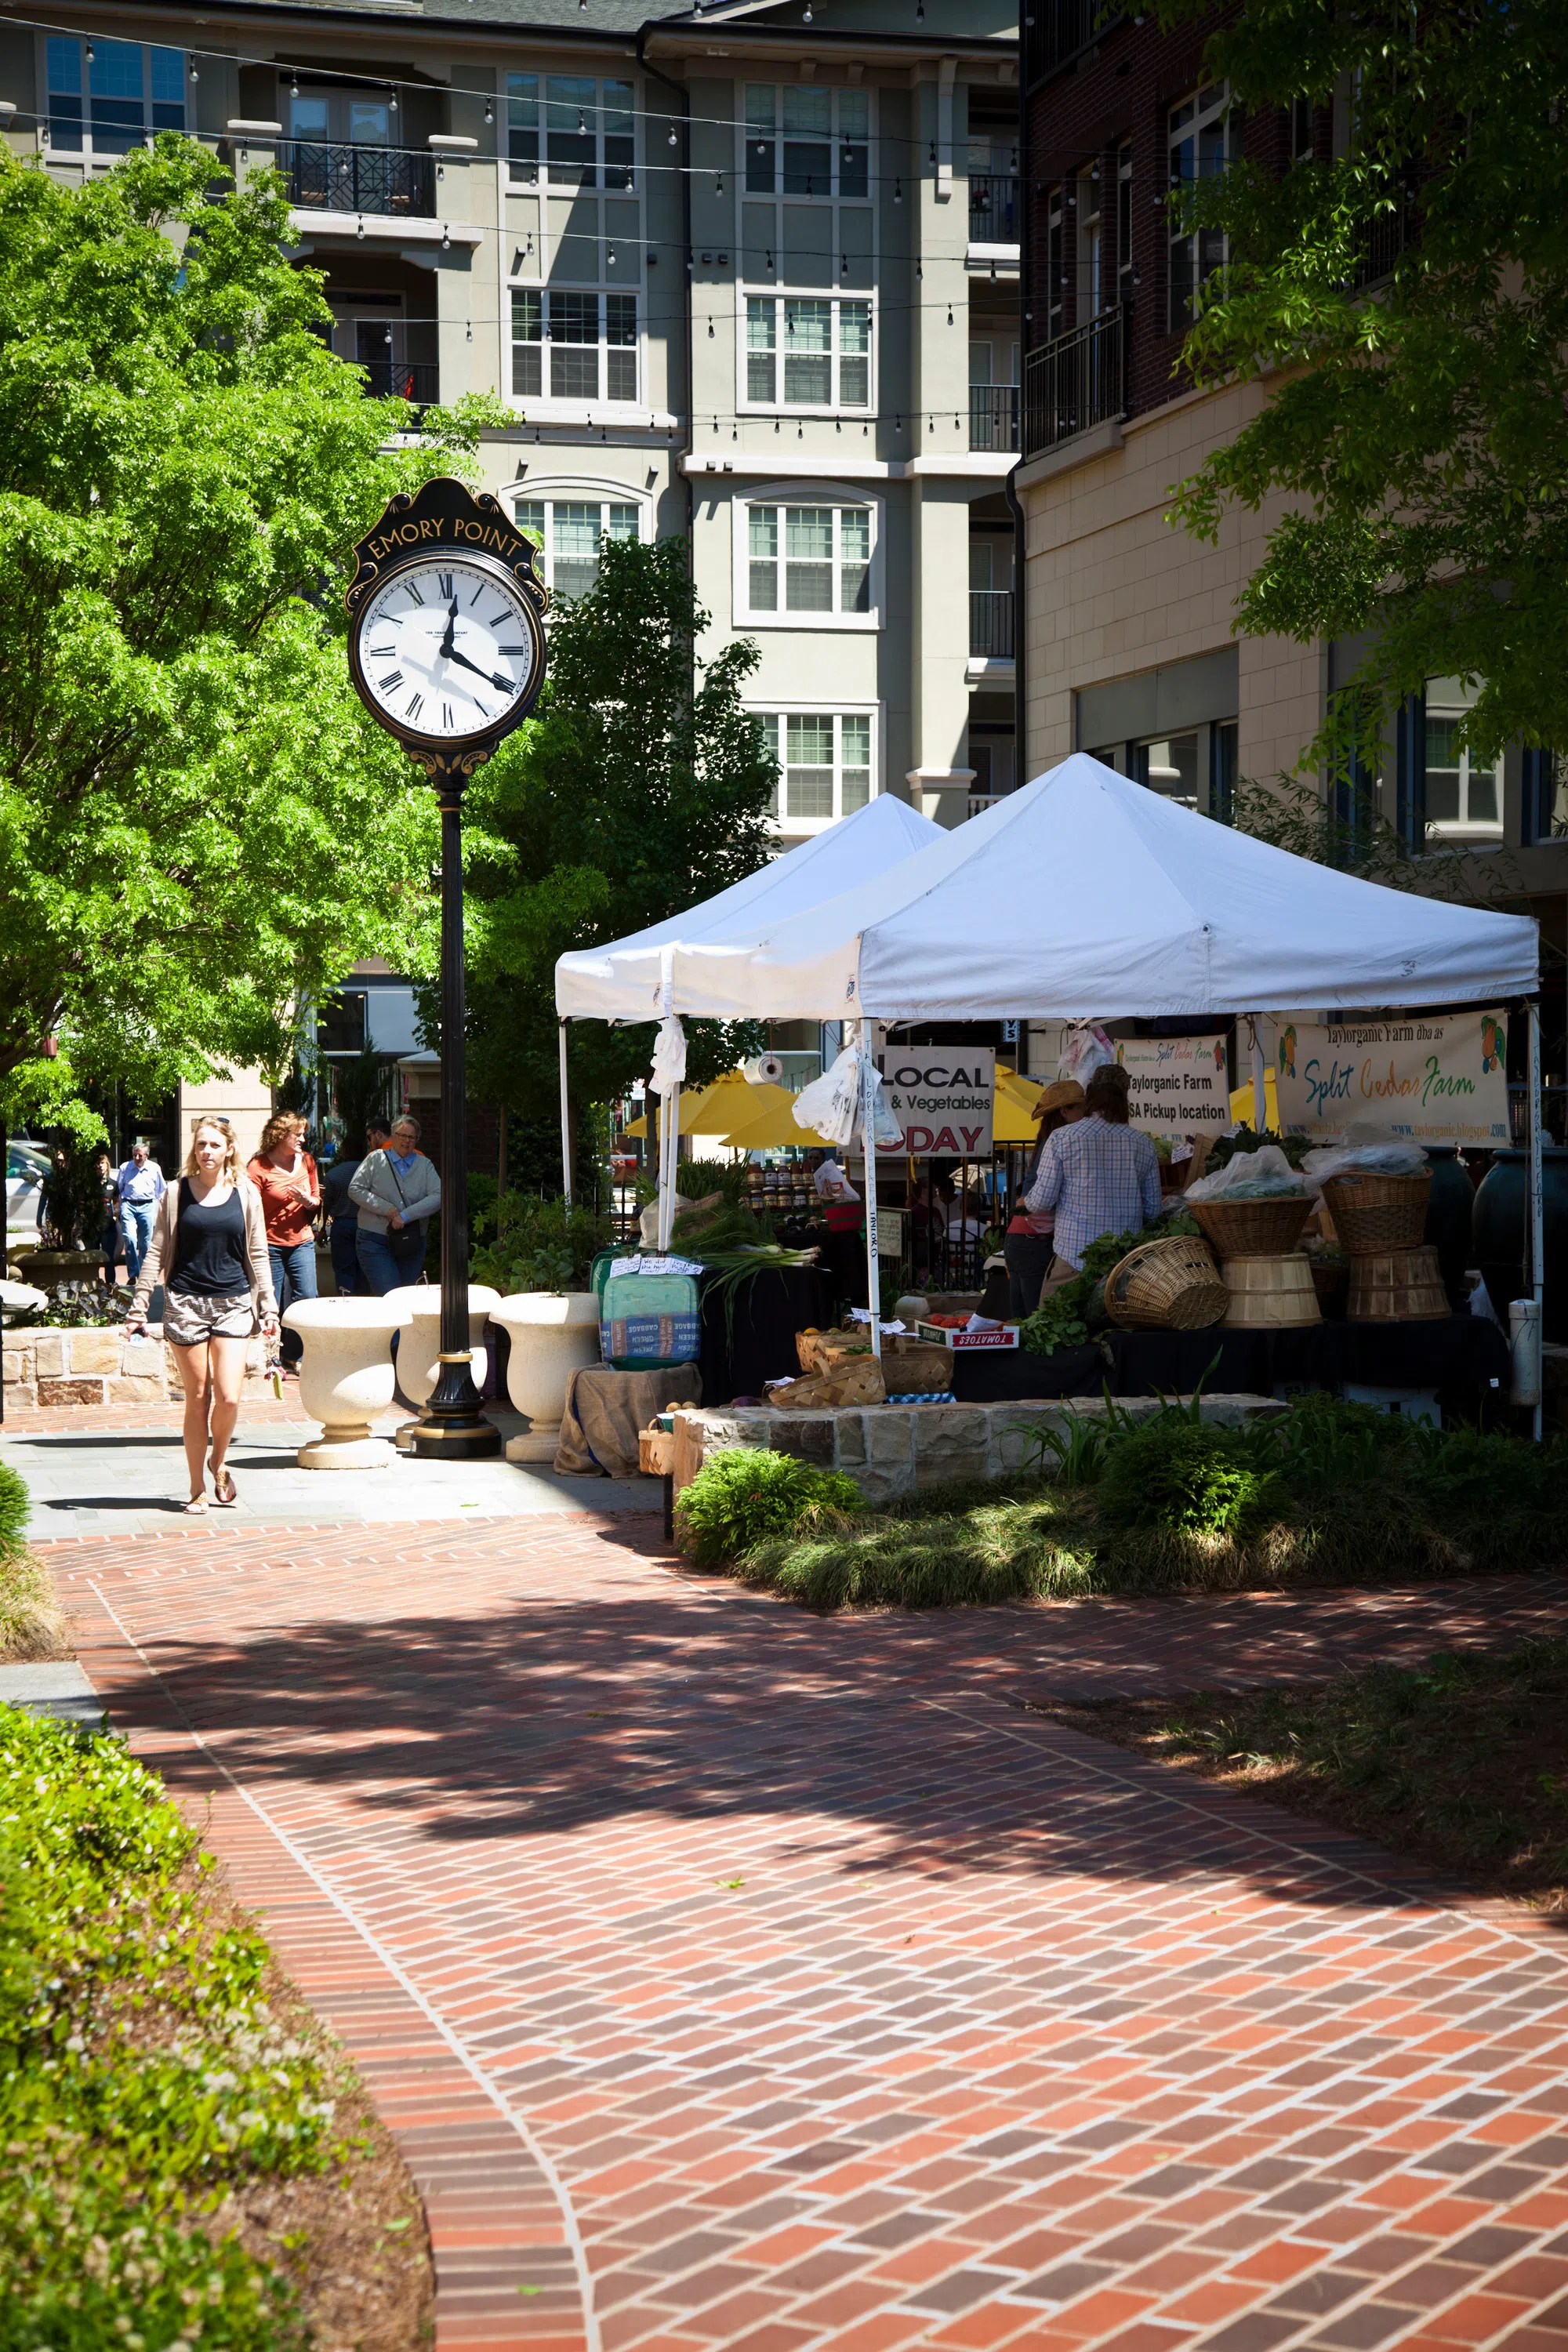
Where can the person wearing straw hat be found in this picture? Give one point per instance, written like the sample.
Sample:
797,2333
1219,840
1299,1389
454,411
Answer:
1028,1246
1100,1176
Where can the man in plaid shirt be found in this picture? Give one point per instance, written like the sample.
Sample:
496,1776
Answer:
1100,1176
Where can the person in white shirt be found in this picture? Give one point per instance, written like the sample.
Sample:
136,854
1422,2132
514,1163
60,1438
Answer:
139,1187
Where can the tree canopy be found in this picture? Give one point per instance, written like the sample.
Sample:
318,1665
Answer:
1404,292
640,786
199,826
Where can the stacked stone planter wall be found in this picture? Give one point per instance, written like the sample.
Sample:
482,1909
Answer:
48,1369
893,1450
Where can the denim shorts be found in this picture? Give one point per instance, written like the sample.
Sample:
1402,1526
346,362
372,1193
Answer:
191,1320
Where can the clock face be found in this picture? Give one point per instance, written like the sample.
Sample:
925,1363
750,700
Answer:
447,648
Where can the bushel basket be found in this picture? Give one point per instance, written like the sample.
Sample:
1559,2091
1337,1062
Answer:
1378,1212
1171,1286
1252,1228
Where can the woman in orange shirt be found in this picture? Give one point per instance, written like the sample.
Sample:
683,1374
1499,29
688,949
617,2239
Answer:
285,1175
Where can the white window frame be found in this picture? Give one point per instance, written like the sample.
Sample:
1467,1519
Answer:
805,494
748,137
782,708
576,405
860,410
141,135
1455,704
559,489
1210,106
522,172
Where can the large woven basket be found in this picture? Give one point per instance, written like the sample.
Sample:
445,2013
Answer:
1252,1228
1378,1212
1172,1285
1397,1286
1331,1281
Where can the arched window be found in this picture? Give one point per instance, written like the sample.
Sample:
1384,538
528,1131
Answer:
567,521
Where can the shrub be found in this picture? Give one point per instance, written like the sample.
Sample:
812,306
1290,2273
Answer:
15,1508
1174,1473
540,1244
743,1496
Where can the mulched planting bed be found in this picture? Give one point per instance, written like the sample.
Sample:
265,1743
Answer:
1462,1763
189,2162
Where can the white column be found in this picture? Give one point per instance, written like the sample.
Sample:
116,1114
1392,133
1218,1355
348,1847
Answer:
565,1122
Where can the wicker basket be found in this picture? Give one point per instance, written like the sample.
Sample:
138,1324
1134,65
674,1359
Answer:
1252,1228
1378,1212
1271,1294
1171,1285
1397,1286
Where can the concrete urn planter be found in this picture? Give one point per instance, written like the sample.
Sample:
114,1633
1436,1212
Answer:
551,1334
419,1349
346,1377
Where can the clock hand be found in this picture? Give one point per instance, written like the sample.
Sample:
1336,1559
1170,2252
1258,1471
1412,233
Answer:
491,678
445,645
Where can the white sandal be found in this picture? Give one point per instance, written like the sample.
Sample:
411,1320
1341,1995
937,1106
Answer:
196,1508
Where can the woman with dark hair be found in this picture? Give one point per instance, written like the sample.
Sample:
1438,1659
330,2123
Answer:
1028,1244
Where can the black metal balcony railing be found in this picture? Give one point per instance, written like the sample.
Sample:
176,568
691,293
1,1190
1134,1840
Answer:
990,623
360,179
992,415
1056,30
416,380
1078,380
993,208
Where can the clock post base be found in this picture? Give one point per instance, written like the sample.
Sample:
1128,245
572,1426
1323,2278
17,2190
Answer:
454,1437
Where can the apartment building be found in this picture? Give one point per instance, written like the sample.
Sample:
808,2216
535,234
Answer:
1129,650
746,272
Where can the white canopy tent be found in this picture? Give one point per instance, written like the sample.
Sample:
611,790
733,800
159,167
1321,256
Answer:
1086,897
628,980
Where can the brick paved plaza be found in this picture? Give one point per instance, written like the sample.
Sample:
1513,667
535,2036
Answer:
739,1979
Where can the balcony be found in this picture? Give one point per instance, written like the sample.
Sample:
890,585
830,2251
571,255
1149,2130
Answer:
1075,382
992,415
419,381
1056,31
991,624
993,208
387,181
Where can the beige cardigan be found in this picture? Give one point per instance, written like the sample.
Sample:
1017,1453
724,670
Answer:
161,1248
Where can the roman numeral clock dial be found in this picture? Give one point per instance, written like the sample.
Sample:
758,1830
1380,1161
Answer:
447,649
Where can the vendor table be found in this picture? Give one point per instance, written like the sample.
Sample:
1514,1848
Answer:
1461,1352
742,1351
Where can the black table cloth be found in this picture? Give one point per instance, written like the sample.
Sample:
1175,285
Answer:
742,1352
1458,1352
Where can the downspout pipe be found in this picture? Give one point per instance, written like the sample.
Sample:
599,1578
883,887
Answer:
684,94
1020,536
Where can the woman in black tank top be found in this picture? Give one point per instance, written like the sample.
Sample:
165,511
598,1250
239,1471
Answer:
208,1314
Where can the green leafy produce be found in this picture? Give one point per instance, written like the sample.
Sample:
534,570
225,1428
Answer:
540,1244
1224,1148
1066,1318
744,1495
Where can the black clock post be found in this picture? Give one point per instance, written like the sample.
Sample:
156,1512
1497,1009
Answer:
412,588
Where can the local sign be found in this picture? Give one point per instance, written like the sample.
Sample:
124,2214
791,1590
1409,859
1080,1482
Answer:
1438,1077
941,1097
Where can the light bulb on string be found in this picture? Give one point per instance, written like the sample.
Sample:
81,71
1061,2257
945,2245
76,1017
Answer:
582,124
294,85
805,17
718,183
898,192
674,141
609,256
392,103
195,71
91,53
489,110
950,314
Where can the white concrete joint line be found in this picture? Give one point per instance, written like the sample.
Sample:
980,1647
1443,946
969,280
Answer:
593,2339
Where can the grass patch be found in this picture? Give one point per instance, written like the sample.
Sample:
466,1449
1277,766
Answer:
1462,1763
188,2161
32,1623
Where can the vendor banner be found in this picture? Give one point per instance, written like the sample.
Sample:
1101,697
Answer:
1180,1085
941,1096
1439,1077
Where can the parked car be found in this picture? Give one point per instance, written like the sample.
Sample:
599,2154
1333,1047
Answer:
27,1165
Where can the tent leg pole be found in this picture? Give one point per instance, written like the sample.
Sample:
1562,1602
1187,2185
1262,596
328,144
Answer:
1537,1214
873,1278
667,1197
1259,1077
565,1122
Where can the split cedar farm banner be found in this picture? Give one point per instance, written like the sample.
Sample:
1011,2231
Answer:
1439,1077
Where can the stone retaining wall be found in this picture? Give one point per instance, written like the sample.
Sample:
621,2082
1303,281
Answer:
891,1450
46,1368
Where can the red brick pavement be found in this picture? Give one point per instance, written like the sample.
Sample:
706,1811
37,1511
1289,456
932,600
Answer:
739,1979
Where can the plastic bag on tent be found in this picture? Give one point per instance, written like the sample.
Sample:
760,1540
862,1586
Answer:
1262,1175
831,1104
669,1055
1386,1159
1085,1051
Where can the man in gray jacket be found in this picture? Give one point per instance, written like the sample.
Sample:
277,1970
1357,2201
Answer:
394,1191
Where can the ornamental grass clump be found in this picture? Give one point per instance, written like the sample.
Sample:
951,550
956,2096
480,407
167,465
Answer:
32,1622
1177,1476
742,1495
144,2072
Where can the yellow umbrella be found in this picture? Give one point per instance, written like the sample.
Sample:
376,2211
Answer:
769,1124
1012,1108
693,1108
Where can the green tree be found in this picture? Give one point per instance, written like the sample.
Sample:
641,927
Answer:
198,824
640,786
1407,302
